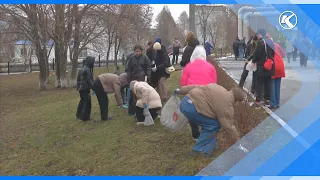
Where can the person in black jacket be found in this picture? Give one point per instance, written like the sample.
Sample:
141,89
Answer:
235,47
159,74
84,84
192,43
138,68
263,51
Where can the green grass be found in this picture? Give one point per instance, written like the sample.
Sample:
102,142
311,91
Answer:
41,136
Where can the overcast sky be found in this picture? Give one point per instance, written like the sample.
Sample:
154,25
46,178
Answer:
175,9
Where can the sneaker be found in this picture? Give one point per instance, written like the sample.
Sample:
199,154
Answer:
195,139
267,103
140,123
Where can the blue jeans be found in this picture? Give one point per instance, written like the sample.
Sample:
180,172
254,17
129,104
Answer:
241,53
209,127
275,92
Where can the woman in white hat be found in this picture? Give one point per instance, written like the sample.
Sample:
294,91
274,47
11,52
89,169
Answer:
161,70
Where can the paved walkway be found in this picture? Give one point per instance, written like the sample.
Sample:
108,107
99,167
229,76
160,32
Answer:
299,109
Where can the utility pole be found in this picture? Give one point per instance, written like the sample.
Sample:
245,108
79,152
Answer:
192,18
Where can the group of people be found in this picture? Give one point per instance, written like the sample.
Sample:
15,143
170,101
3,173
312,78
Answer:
267,56
239,47
205,103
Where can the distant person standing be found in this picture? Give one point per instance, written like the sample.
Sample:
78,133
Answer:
235,47
289,50
295,50
241,48
208,47
304,52
176,45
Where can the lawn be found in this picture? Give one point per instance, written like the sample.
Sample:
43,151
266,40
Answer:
40,135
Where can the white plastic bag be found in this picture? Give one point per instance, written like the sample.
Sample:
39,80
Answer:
251,66
171,116
148,121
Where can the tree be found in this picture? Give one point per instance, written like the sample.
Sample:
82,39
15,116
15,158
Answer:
203,13
32,21
166,27
183,23
87,27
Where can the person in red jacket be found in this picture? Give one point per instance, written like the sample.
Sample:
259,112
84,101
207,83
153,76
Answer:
276,79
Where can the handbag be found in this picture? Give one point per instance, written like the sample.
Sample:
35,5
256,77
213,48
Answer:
269,62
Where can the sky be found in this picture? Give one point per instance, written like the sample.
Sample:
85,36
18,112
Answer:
175,9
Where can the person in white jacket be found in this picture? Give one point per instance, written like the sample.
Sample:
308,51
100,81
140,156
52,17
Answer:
146,97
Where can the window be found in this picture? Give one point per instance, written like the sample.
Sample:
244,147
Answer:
83,53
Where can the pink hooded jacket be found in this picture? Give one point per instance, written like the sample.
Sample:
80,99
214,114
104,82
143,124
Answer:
198,71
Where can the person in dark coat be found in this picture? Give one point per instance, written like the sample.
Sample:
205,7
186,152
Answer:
176,45
84,84
159,74
264,51
304,51
192,43
241,48
235,47
139,69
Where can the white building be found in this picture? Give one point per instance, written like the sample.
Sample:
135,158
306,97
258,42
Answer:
23,49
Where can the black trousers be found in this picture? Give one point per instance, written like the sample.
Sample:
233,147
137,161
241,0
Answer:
140,116
175,55
102,99
244,76
294,55
303,60
263,88
84,107
132,104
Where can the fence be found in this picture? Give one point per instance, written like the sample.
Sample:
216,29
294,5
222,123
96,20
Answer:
20,67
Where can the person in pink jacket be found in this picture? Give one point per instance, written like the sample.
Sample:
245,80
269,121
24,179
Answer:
198,72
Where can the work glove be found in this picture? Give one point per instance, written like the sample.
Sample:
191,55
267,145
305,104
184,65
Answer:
176,92
145,106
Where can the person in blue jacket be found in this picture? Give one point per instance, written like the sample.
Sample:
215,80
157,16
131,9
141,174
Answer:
208,48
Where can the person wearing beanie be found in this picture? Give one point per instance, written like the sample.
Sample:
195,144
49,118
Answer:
105,84
192,43
263,52
159,75
138,68
211,107
145,97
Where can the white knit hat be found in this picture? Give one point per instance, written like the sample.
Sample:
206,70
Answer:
157,46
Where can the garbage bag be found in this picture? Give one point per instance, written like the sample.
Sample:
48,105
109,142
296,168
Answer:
251,66
171,116
148,121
